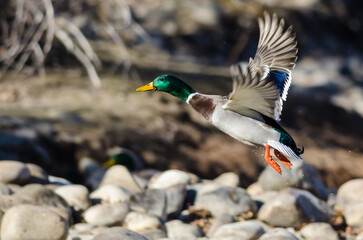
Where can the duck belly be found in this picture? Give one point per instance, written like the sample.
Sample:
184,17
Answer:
244,129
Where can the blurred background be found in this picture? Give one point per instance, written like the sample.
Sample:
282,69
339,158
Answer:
69,70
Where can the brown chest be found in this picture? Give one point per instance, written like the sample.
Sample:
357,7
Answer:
203,104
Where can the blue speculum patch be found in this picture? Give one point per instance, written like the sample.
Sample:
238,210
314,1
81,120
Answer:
279,77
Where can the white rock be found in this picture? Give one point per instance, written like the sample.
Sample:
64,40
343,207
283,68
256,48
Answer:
169,178
106,214
317,231
251,229
229,179
139,222
278,234
353,213
13,172
254,189
350,191
75,195
111,193
119,175
178,230
33,222
118,233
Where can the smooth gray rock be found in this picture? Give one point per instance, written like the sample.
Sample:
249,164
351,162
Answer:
302,175
229,179
40,195
153,234
217,222
110,193
119,175
281,211
138,222
317,231
169,178
150,201
248,230
33,222
106,214
351,191
5,190
176,230
13,172
292,207
278,234
175,196
75,195
225,200
118,233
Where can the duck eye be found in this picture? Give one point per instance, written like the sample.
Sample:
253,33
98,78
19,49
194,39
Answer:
162,79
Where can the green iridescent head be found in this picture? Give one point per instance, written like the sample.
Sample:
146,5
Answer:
169,84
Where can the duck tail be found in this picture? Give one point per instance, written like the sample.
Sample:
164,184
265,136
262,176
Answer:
299,151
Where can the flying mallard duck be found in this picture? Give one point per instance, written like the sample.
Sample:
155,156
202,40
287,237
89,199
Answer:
252,110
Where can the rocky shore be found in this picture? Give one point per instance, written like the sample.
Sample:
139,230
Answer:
173,204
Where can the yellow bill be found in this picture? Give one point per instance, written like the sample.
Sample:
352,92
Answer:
147,87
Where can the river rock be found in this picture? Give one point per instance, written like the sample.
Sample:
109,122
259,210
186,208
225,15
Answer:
139,222
13,172
153,234
278,234
292,207
37,174
150,201
176,229
119,175
75,195
218,221
175,196
225,200
317,231
350,191
169,178
5,190
110,193
33,222
302,175
250,229
353,213
118,233
106,214
40,195
229,179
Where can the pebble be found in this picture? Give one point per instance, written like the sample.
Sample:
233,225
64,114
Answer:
301,175
150,201
119,175
153,234
175,198
177,230
37,174
169,178
106,214
251,229
5,190
139,222
118,233
229,179
218,221
225,200
110,193
278,234
13,172
33,222
353,214
75,195
350,191
317,231
40,195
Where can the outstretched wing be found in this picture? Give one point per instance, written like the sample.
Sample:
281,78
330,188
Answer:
262,86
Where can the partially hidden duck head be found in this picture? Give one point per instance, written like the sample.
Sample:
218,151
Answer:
169,84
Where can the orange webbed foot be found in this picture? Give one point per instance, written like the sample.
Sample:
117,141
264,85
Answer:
283,159
270,160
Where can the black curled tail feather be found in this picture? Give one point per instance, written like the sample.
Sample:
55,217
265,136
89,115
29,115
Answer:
299,151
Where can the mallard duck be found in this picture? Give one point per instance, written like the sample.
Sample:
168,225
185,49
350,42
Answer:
252,110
